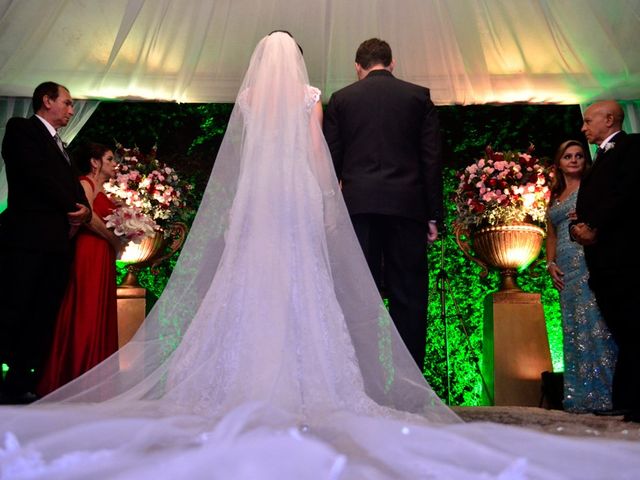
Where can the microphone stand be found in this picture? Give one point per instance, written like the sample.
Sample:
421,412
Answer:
443,286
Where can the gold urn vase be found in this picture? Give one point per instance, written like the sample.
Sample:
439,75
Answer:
510,248
151,251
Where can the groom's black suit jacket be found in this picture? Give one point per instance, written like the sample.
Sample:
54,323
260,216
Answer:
384,139
43,188
607,200
385,144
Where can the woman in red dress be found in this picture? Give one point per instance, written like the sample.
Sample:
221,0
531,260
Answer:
87,325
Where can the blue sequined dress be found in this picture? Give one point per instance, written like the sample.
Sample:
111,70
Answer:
589,349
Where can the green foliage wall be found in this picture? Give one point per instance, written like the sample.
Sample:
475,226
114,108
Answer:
188,137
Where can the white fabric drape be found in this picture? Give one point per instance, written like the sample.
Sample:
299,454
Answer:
466,51
631,116
21,107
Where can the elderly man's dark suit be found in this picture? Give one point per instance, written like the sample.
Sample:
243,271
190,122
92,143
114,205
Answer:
384,138
35,247
607,200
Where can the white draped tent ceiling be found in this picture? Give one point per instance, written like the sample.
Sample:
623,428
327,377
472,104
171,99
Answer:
466,51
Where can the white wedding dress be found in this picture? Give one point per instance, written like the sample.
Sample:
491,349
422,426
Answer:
270,354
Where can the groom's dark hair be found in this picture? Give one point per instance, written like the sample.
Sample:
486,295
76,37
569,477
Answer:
373,52
284,31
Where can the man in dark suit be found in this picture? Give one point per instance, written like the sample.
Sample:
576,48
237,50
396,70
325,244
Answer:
46,204
384,138
605,207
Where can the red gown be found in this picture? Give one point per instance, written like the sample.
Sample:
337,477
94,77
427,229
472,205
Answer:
86,329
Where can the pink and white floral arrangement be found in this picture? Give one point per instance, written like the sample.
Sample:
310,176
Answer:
501,188
144,183
131,224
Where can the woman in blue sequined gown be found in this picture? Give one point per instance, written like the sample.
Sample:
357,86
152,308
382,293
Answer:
589,349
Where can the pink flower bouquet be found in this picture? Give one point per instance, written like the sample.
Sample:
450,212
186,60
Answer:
131,224
145,183
502,188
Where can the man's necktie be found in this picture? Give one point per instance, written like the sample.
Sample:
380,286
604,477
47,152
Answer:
58,140
599,151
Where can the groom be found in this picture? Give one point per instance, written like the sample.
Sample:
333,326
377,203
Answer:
384,138
605,208
46,204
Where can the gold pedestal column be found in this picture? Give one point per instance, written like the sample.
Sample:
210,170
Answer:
515,348
132,306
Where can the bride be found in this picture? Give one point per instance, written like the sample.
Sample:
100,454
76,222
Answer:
270,353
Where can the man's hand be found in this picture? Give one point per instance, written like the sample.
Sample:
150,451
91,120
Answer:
79,216
584,234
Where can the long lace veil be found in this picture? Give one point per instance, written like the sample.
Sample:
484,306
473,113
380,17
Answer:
269,138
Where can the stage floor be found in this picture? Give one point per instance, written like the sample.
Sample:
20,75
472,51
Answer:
554,421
